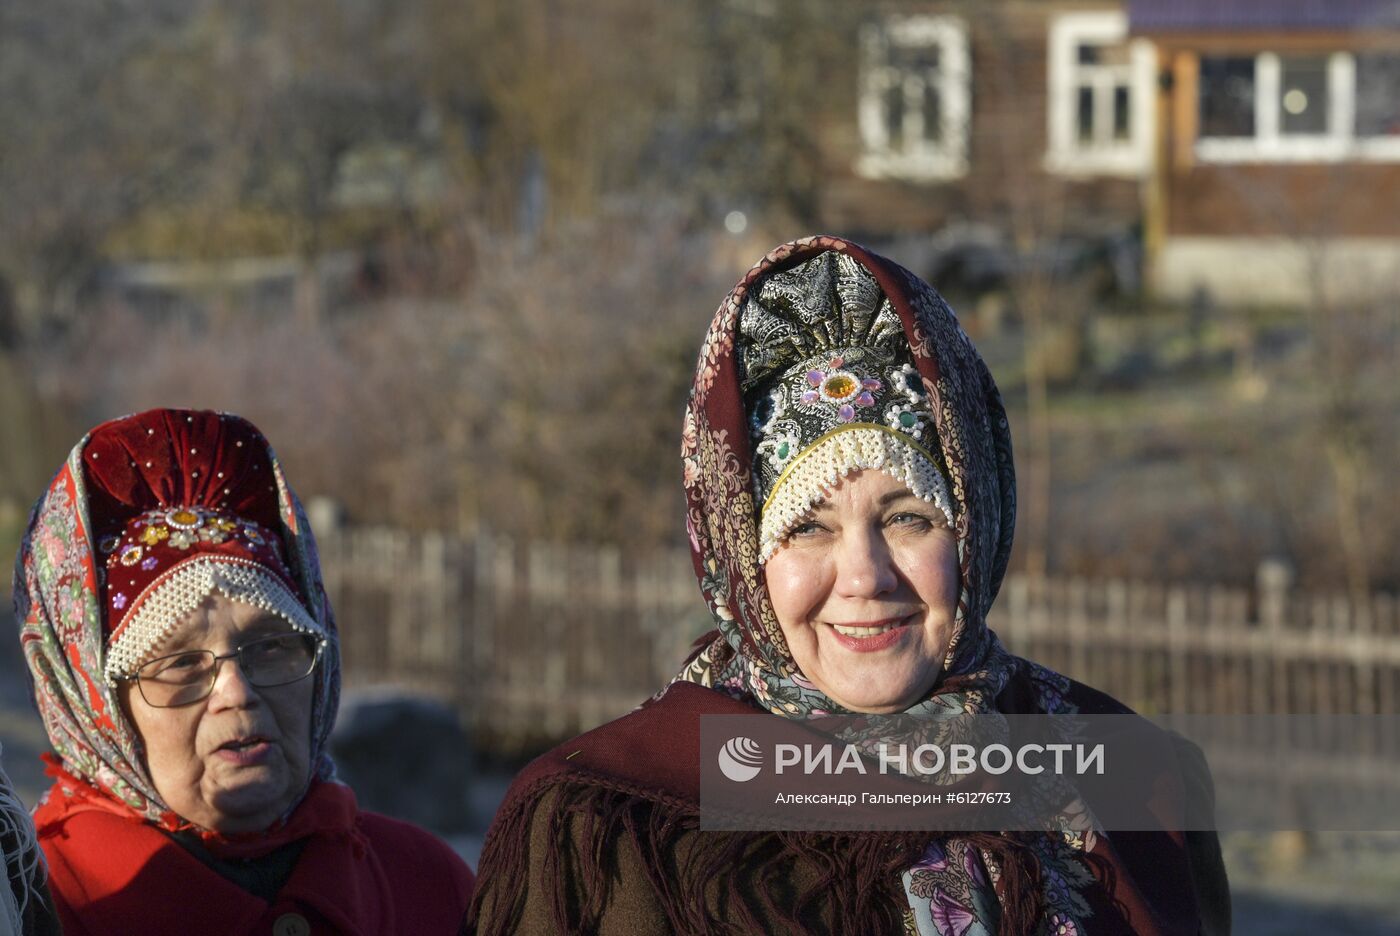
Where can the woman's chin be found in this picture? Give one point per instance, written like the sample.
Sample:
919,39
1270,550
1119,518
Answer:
879,705
239,816
249,801
876,683
882,690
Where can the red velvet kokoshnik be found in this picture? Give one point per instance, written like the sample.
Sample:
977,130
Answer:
178,458
168,487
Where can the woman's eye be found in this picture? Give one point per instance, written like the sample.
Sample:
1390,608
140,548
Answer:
806,528
271,647
910,520
175,664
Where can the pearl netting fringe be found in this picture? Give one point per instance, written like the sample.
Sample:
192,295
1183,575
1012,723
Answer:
157,612
816,471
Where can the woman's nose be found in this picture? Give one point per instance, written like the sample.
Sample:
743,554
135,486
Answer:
231,686
864,566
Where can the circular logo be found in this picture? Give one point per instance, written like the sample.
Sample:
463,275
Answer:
740,759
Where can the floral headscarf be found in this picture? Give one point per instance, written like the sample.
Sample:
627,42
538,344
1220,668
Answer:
952,889
974,442
177,458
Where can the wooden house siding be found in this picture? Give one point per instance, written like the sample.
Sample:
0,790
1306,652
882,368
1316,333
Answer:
1260,200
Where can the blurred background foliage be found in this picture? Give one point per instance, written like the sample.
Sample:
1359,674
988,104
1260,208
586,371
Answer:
456,259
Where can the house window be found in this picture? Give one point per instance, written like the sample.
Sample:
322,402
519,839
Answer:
1227,97
1100,96
914,98
1303,95
1299,107
1378,94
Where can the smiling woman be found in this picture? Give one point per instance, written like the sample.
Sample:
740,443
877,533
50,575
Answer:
185,662
850,502
866,592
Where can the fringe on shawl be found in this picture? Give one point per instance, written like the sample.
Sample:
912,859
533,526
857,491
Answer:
857,888
24,862
1019,891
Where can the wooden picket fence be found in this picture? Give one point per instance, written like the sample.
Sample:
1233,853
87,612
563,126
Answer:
537,641
530,641
1208,649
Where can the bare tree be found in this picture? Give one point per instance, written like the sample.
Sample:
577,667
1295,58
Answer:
1347,425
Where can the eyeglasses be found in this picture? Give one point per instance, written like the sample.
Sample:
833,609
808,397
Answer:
189,676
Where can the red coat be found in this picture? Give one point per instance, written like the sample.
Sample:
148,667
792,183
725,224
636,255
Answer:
113,874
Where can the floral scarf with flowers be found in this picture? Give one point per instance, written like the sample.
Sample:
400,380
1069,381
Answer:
60,610
953,889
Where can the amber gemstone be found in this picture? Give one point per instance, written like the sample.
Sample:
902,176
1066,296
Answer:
840,386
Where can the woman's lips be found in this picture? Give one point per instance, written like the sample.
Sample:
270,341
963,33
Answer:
245,752
870,636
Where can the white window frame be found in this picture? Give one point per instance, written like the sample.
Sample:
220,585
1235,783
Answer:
919,159
1067,154
1338,144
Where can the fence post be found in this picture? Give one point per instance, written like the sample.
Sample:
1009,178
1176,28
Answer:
547,586
1273,579
500,606
1076,610
325,515
1179,691
1361,664
609,618
404,650
440,631
1014,600
479,614
1116,620
1383,605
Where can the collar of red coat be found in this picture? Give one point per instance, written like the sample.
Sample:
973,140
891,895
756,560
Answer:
114,872
328,809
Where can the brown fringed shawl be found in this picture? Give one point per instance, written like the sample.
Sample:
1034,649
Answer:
602,834
632,786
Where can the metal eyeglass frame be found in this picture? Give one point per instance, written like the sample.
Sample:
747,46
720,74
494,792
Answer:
320,647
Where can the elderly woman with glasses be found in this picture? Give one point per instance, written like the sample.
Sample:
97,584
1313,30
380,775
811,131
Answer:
185,662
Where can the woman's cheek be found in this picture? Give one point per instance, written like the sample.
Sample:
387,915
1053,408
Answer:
780,592
794,585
